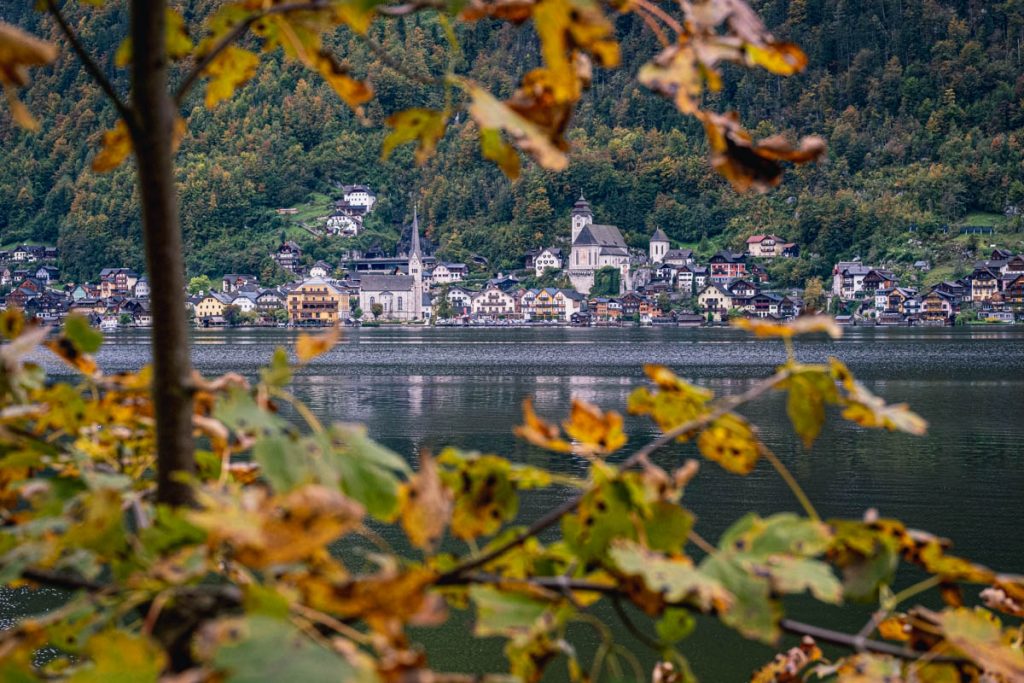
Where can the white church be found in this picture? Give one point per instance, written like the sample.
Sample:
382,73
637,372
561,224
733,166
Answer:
594,247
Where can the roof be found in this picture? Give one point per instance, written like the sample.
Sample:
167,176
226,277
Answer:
659,236
600,235
374,282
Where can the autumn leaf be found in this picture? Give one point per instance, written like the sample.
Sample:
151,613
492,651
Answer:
229,70
564,26
424,505
485,495
115,148
595,432
730,441
867,410
121,656
352,91
309,346
675,74
179,43
494,148
424,126
804,324
979,635
809,389
753,165
18,51
540,432
675,403
490,113
675,578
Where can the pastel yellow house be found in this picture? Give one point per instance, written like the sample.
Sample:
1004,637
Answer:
211,305
317,302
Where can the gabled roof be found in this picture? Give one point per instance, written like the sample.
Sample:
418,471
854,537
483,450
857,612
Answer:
600,235
659,236
373,282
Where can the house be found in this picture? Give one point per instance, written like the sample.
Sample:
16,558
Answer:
359,195
726,266
984,283
923,266
141,288
765,246
448,272
117,282
316,302
232,282
848,279
766,305
956,290
678,257
289,256
877,279
902,300
494,303
244,301
548,259
716,300
605,309
938,306
595,247
211,306
26,253
5,277
1013,293
47,274
742,288
270,300
658,246
551,304
460,300
395,293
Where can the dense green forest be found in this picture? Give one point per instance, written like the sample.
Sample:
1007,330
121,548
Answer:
922,102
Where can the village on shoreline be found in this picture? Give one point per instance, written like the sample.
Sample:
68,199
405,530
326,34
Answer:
597,281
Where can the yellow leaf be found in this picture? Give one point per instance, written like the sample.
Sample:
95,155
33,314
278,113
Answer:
868,410
308,346
731,442
229,70
116,146
488,112
119,656
675,74
427,126
424,505
596,432
352,91
564,26
539,432
978,634
18,51
495,149
784,59
804,324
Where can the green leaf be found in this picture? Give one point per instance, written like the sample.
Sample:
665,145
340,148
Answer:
82,335
268,650
753,613
675,578
501,613
367,470
240,413
667,527
603,515
494,148
809,390
121,657
795,575
781,533
279,372
979,635
287,463
425,126
674,625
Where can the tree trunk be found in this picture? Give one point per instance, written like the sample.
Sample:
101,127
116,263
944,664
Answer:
153,139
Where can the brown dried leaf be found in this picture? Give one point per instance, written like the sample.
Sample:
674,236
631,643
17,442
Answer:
425,505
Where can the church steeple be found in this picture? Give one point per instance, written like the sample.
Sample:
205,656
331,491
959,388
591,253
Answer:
582,216
415,244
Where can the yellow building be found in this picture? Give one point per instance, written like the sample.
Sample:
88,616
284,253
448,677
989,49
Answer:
211,305
317,302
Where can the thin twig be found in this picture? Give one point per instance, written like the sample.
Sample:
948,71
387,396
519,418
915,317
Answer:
620,611
551,518
62,580
654,26
791,482
91,67
799,628
669,20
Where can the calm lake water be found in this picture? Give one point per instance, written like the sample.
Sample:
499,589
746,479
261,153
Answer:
424,388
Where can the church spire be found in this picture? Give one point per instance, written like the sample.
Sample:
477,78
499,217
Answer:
414,248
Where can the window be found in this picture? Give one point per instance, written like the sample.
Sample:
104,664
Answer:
399,303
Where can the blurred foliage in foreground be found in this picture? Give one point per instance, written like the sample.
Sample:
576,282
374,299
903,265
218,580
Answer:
277,570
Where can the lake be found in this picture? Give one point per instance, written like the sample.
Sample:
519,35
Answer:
422,388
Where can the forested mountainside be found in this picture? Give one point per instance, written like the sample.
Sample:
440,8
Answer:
922,102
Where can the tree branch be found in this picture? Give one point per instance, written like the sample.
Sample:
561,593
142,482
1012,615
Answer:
721,408
91,67
62,580
799,628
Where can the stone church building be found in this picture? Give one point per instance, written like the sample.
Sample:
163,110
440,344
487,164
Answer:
594,247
